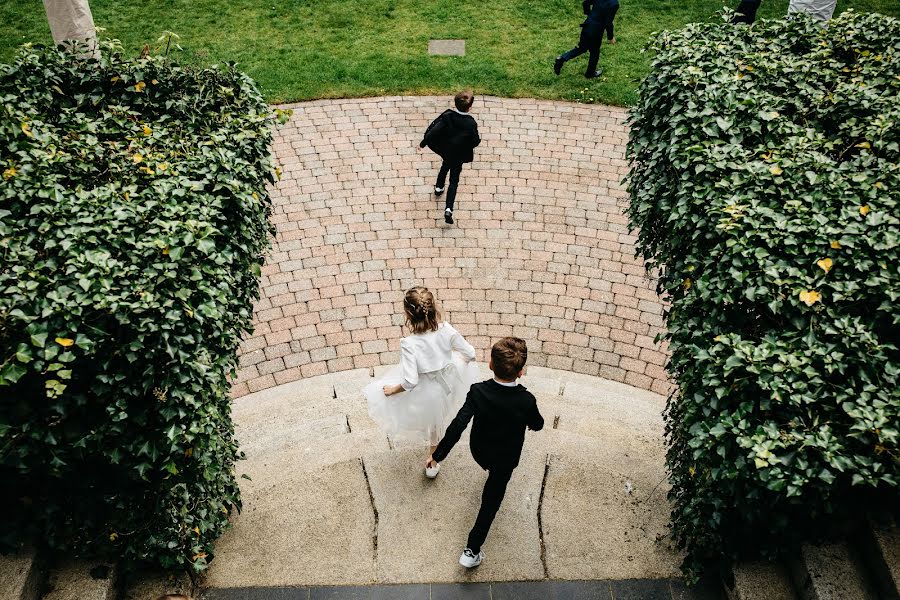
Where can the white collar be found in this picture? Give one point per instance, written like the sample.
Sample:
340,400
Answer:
506,383
456,110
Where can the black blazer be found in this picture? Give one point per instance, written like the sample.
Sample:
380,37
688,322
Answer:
599,13
501,415
453,136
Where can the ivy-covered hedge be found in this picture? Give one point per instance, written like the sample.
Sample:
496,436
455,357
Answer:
766,185
133,220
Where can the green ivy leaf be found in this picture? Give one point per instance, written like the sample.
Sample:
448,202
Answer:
11,373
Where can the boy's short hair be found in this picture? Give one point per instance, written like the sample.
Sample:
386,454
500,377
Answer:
464,100
508,357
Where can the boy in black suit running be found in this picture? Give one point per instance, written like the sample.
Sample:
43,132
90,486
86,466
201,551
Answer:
502,410
599,19
453,136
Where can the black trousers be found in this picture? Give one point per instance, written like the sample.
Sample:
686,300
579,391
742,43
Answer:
491,497
746,12
590,41
454,169
610,34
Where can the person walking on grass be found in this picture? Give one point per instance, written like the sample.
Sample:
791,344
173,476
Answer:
599,20
612,7
453,136
414,401
502,409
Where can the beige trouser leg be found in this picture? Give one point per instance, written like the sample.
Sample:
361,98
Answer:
72,20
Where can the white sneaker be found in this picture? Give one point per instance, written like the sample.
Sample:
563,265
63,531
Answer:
469,559
432,472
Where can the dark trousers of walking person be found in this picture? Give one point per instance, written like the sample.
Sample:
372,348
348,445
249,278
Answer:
454,169
746,12
610,33
491,497
590,41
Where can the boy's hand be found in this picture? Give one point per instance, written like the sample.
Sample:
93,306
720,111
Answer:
430,462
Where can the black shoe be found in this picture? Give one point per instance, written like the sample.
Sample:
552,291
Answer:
593,75
557,66
448,216
438,190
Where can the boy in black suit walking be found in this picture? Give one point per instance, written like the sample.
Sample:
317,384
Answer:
600,14
452,136
502,410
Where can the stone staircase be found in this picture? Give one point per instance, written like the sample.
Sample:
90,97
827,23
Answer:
866,566
332,502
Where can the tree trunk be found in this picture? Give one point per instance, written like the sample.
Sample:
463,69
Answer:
71,20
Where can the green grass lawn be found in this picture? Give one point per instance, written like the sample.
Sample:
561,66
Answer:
304,49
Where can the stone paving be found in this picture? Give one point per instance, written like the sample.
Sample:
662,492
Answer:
634,589
540,248
331,502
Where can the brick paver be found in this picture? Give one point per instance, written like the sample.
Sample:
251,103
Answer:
540,249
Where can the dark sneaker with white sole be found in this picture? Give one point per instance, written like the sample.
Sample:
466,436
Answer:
438,191
448,216
469,559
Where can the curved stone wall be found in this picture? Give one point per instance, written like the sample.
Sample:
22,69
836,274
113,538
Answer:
540,248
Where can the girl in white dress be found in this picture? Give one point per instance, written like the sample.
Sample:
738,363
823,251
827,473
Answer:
416,400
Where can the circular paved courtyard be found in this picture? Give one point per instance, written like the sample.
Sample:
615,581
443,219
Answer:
540,249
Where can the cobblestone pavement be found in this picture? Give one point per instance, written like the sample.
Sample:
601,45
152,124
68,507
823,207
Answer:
540,248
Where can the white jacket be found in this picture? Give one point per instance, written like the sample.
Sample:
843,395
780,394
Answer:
429,352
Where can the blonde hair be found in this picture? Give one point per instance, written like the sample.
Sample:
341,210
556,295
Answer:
421,311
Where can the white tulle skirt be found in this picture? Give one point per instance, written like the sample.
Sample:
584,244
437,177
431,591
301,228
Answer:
421,415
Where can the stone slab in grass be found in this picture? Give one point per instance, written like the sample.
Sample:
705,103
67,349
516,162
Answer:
447,47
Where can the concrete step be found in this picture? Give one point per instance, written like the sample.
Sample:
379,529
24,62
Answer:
82,580
299,527
150,584
21,576
831,571
865,566
880,545
760,580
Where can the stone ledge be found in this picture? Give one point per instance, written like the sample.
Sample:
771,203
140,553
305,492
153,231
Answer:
20,576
